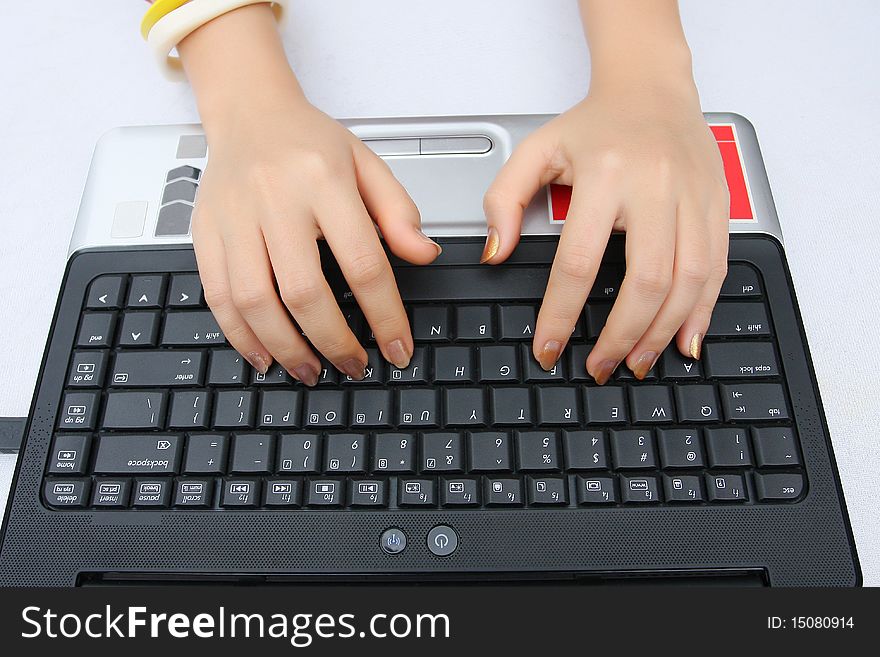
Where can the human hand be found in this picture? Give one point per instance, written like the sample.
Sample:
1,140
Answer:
640,159
281,176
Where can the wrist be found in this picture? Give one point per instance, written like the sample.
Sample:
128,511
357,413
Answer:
663,67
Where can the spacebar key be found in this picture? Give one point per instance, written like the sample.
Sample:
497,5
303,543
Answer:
472,283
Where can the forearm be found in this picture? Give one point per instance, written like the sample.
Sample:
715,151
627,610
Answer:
639,41
236,62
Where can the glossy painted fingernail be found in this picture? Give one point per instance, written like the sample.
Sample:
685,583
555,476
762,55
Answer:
644,364
550,354
398,354
354,368
493,241
306,373
696,347
429,241
605,370
260,362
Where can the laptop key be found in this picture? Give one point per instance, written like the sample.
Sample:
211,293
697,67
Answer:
697,403
147,453
503,492
135,410
252,453
595,489
741,281
416,492
633,449
547,491
728,448
511,406
206,454
417,408
726,488
442,452
782,487
111,493
680,448
146,291
299,452
738,319
394,452
197,493
675,366
282,492
651,404
585,450
538,451
280,409
605,405
165,369
87,368
106,292
185,291
753,402
490,451
69,454
558,405
368,492
371,408
228,368
453,365
775,446
79,411
191,329
190,409
151,493
465,407
96,330
234,409
517,322
345,452
66,492
431,323
682,488
736,360
416,372
240,493
498,363
325,492
474,323
462,491
139,329
639,489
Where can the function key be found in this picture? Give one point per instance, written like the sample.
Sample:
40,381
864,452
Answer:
368,492
113,493
431,323
240,493
736,360
416,492
146,291
517,322
779,486
96,330
69,454
682,488
639,489
754,402
503,492
775,446
547,491
595,490
87,369
282,492
741,281
79,410
106,292
185,291
66,492
474,323
726,488
463,491
731,320
325,492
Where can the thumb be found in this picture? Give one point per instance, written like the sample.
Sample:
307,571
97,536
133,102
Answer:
392,209
525,172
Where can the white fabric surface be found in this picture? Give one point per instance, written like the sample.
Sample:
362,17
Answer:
806,73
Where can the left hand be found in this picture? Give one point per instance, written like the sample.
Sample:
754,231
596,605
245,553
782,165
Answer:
640,159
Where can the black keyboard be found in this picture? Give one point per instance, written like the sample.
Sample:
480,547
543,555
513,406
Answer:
158,412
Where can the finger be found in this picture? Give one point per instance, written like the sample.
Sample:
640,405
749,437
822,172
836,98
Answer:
525,172
689,277
691,334
581,246
211,259
650,244
308,297
254,295
392,208
359,253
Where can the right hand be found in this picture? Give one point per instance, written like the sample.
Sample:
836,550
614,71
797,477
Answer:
281,176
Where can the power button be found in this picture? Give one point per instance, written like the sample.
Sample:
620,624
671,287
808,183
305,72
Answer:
442,540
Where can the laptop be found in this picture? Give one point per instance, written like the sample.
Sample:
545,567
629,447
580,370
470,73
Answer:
154,453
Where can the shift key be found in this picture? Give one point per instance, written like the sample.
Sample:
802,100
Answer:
158,368
153,453
738,320
191,329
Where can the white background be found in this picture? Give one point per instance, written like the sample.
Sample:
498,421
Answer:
806,73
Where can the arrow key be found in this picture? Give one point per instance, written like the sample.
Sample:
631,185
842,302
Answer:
185,291
139,329
105,292
146,291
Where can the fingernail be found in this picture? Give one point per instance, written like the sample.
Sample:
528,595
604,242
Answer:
644,364
492,244
354,368
605,370
261,363
550,354
398,354
696,346
306,373
429,241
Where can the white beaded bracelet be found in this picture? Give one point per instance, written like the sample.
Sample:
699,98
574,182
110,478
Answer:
175,26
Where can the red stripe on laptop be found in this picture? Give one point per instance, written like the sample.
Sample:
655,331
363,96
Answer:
740,202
